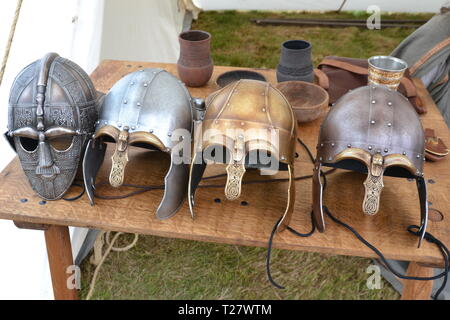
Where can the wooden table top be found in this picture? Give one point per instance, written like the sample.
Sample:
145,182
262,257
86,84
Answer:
230,221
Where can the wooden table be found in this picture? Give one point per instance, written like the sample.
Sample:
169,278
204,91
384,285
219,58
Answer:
231,222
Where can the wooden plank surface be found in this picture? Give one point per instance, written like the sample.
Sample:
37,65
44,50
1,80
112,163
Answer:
230,221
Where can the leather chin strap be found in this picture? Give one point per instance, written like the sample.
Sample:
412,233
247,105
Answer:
196,174
423,198
175,181
318,213
92,161
286,218
318,217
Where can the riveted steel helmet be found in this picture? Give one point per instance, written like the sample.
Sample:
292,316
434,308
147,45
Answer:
242,120
148,108
373,130
52,111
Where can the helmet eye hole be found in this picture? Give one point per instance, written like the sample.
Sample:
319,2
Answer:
61,143
28,144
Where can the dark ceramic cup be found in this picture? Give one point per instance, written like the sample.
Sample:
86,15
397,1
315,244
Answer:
195,65
295,62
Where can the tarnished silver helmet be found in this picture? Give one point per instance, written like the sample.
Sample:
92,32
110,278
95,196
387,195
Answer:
52,110
147,108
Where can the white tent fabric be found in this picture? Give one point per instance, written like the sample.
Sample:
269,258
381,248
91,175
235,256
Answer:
322,5
85,31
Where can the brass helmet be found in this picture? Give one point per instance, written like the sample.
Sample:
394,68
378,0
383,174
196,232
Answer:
242,121
373,130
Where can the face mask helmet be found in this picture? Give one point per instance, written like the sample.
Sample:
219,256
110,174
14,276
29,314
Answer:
149,108
373,130
247,124
52,112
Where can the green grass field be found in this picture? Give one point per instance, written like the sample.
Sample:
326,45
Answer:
161,268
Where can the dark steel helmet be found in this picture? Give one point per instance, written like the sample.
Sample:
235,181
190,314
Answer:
52,111
373,130
148,108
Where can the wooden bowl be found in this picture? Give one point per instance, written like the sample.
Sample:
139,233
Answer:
228,77
308,100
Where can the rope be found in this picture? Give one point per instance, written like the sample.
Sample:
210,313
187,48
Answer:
10,39
110,248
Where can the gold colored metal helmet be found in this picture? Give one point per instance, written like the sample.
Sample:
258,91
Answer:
247,124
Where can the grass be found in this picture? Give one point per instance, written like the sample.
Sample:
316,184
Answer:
161,268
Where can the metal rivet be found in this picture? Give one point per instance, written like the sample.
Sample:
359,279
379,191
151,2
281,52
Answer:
151,130
119,125
42,202
423,159
389,103
132,83
332,144
133,127
389,124
169,134
321,144
241,136
263,109
138,104
283,158
145,84
373,101
370,147
23,200
386,150
125,101
372,121
349,145
404,153
418,156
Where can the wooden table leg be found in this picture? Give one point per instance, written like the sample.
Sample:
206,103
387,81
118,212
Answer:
414,289
59,252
